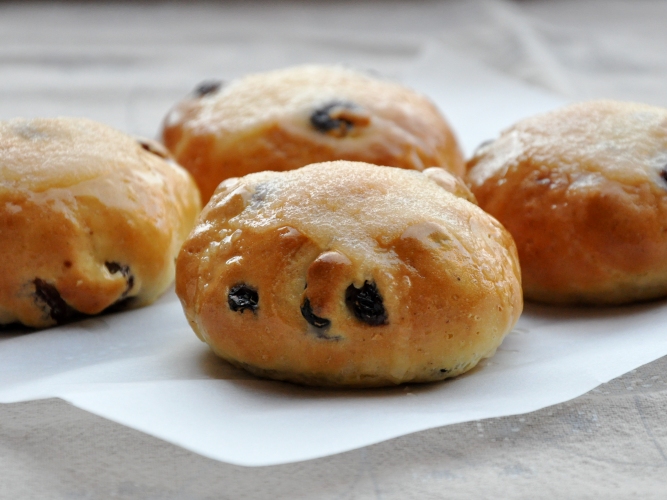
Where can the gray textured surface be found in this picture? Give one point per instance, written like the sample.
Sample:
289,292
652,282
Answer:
610,443
108,62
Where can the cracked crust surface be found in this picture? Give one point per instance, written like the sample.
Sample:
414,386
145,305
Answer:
282,120
583,190
90,218
368,276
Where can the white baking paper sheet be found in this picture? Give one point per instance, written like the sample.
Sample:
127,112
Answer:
147,370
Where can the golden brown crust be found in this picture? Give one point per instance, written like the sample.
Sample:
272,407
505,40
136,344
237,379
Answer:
265,122
451,183
583,190
314,242
89,217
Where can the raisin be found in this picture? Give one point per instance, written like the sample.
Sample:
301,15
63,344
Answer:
242,297
48,294
316,321
259,193
366,304
115,267
153,147
328,119
663,173
207,87
443,370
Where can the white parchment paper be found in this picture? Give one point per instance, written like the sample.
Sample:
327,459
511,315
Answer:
147,370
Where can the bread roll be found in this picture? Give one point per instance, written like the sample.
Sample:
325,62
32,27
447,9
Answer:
282,120
348,274
583,190
90,219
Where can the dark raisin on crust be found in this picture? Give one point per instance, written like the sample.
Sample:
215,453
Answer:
124,270
443,370
663,173
259,194
366,304
61,312
242,297
323,121
483,145
58,309
153,147
316,321
207,87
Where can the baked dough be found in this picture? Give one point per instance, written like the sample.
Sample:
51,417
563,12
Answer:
90,218
583,190
348,274
286,119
